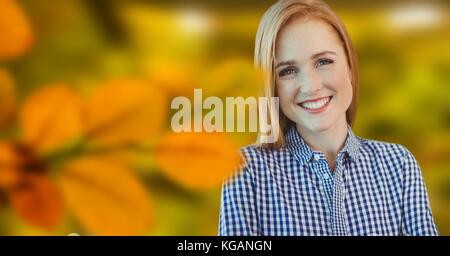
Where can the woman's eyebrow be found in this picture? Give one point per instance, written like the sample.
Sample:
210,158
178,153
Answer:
314,56
283,63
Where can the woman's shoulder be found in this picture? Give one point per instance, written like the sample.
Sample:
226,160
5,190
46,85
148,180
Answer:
384,150
257,154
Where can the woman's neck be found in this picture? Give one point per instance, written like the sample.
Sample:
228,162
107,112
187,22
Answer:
329,141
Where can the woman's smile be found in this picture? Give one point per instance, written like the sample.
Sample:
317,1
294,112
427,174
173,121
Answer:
315,106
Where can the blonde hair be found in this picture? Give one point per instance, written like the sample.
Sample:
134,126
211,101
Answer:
275,18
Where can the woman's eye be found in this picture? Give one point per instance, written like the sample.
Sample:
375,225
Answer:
322,62
287,71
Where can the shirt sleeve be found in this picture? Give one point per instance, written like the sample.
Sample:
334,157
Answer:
237,210
417,219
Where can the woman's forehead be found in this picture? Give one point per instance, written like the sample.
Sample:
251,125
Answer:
305,37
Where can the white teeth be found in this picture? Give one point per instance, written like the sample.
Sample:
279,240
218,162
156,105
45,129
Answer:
316,104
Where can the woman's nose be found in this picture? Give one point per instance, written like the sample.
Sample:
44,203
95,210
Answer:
310,82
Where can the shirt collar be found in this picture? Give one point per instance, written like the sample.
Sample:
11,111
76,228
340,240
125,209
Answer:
303,153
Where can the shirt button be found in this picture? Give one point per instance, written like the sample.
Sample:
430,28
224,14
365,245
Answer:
317,157
326,176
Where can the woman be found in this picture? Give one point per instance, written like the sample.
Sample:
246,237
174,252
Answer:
318,178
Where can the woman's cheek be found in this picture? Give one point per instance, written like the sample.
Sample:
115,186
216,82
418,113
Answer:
285,96
344,88
337,79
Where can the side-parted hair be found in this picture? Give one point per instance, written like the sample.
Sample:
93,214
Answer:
275,19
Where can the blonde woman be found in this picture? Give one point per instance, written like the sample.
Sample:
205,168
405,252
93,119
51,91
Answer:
318,178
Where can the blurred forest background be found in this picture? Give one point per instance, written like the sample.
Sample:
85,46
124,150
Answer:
85,90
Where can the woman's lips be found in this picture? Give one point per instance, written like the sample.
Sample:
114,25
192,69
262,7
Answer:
316,105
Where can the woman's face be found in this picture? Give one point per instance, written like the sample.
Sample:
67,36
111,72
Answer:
312,75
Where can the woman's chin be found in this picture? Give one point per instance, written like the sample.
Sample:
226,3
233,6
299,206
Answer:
317,126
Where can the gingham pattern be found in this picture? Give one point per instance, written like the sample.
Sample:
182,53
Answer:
376,189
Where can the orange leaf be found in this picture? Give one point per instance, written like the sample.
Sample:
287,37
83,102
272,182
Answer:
197,160
37,201
32,195
51,117
125,112
7,98
16,35
106,197
9,166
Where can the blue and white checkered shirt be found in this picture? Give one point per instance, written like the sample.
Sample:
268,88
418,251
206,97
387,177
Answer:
376,189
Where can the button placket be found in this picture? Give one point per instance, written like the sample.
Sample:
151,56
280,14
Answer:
339,223
323,172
